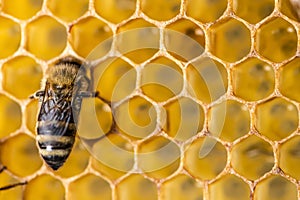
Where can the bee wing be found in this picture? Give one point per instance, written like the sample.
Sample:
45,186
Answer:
55,117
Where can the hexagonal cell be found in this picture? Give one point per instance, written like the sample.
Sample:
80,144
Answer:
252,11
114,146
277,40
13,193
230,40
161,79
276,118
95,119
115,11
138,40
181,187
197,9
184,118
136,117
229,120
252,157
10,116
89,187
153,9
275,187
205,158
89,37
158,157
184,39
115,79
49,32
229,187
76,162
289,8
139,187
10,37
61,8
289,79
44,186
20,151
253,79
289,157
22,9
31,112
21,76
207,79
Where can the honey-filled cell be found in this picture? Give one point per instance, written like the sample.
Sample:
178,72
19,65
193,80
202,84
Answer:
20,151
139,187
10,37
46,38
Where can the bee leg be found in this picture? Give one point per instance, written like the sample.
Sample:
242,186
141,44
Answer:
95,94
85,94
37,95
11,185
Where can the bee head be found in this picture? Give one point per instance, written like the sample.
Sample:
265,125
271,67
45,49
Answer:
62,76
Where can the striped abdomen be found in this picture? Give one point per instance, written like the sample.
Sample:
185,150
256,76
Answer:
54,148
56,129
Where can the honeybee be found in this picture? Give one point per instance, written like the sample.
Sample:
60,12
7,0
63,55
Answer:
66,85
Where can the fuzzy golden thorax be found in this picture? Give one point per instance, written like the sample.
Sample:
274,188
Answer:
62,75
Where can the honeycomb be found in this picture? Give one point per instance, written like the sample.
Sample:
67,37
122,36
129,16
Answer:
203,97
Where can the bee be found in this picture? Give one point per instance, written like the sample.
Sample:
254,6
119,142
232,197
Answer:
11,185
66,85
